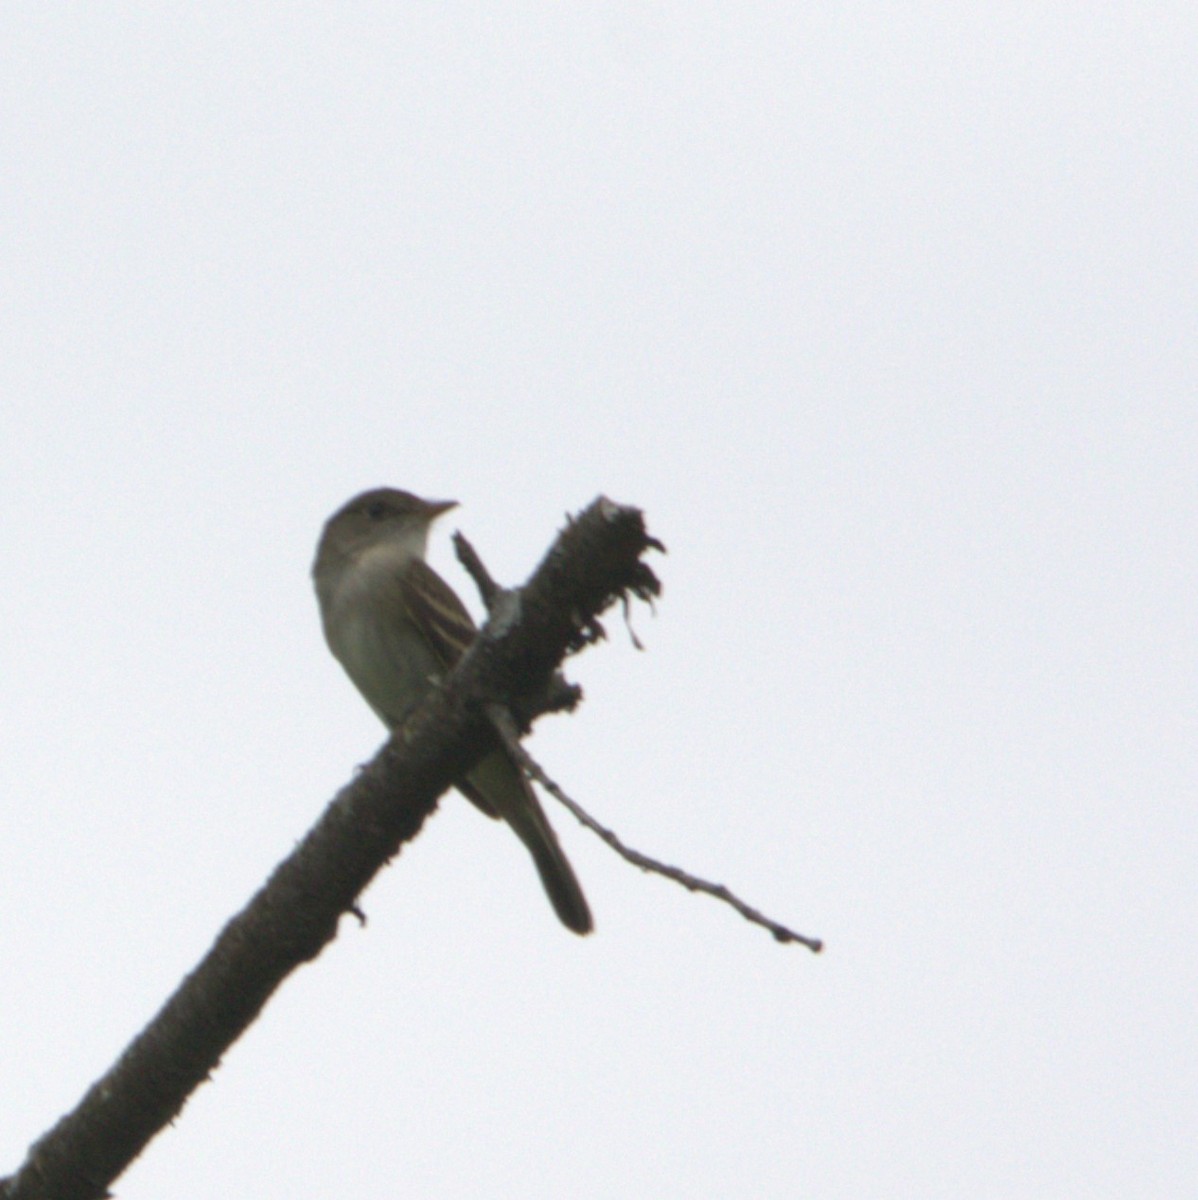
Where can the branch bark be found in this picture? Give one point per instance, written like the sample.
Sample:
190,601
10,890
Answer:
594,561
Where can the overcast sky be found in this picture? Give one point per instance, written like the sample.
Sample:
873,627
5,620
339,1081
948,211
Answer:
886,315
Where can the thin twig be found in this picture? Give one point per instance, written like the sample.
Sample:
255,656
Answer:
488,589
505,724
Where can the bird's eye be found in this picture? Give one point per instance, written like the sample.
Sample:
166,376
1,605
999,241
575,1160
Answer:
376,510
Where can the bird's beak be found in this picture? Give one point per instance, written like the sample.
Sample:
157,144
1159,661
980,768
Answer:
437,507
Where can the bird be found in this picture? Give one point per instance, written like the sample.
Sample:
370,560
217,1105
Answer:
397,628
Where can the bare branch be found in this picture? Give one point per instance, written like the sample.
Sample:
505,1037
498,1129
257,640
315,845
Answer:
296,913
558,695
506,725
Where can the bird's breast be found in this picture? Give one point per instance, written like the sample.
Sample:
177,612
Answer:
389,662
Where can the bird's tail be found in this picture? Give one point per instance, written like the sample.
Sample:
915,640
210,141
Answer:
501,783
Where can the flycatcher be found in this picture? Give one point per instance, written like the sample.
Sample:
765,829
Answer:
397,628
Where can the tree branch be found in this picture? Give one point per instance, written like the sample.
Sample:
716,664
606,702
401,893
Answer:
594,561
505,725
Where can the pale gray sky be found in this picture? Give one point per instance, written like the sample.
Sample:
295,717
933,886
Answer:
886,316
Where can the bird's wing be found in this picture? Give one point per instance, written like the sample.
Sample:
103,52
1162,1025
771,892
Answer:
437,612
443,621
